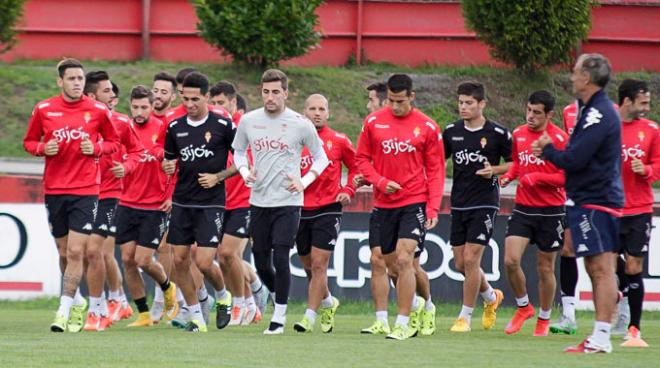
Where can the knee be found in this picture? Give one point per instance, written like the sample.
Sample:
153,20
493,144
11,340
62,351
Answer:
545,270
182,262
512,263
143,261
377,264
204,265
470,264
74,255
226,256
319,268
404,262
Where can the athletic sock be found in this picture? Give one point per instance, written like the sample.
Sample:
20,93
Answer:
621,275
568,307
279,314
65,306
239,301
601,333
635,299
428,306
95,305
256,286
382,316
327,302
415,303
124,300
141,305
179,296
250,303
522,302
196,313
114,295
489,295
159,296
466,312
568,275
202,293
78,298
545,314
221,294
402,320
311,316
165,285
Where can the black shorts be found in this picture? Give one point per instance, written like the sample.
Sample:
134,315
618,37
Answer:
237,223
319,229
105,216
542,226
145,227
271,226
71,212
472,226
635,234
405,222
190,225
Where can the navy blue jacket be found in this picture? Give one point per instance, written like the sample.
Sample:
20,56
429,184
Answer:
592,159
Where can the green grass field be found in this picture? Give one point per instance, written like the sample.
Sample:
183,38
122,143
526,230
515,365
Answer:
25,340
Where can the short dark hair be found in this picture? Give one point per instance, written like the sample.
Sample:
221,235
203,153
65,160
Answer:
473,89
380,88
275,75
223,88
630,88
67,63
197,80
92,80
183,73
598,67
140,92
115,88
240,103
400,82
543,97
167,77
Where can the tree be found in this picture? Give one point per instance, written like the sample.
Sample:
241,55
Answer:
10,12
260,33
530,34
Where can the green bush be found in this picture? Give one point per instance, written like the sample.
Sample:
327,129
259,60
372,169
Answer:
530,34
260,33
10,13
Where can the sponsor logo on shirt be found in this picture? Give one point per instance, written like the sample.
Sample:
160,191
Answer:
268,144
632,153
395,146
144,157
526,158
466,157
381,126
54,114
191,153
67,135
306,161
184,134
458,139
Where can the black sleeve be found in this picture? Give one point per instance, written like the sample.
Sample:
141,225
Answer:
230,133
506,146
171,151
446,141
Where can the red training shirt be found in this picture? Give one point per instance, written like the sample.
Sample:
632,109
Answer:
131,148
237,193
639,139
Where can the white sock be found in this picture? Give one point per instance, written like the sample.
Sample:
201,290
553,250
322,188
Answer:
428,306
114,295
382,316
327,302
568,307
78,298
124,301
466,312
179,296
239,301
256,285
196,313
202,293
545,314
489,295
311,316
402,320
523,302
159,297
601,334
279,314
251,304
221,294
95,305
65,306
415,302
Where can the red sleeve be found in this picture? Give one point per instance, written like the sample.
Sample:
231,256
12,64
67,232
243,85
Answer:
557,179
158,150
363,158
513,171
348,158
134,148
653,168
435,172
110,143
32,141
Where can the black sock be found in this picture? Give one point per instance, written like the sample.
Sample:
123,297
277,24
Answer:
141,304
635,298
165,285
568,275
264,269
282,273
621,275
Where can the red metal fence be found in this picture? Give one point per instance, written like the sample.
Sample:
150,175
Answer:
399,32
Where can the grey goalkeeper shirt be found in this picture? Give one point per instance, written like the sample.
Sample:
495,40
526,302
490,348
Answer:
276,142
